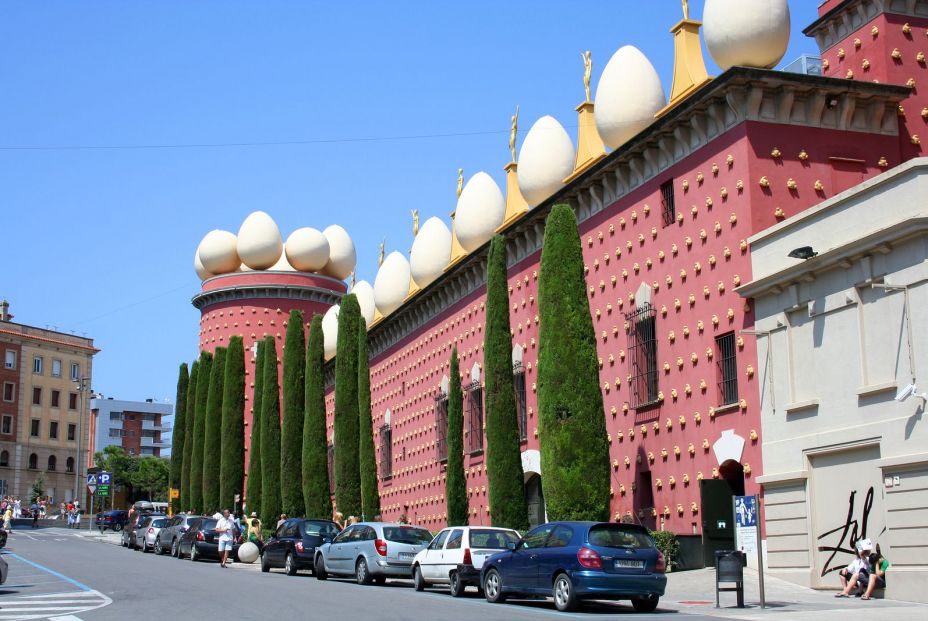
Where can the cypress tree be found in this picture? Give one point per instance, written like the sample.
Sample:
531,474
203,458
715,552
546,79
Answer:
253,492
199,433
177,437
315,465
212,443
232,462
270,436
370,495
572,426
504,459
455,485
291,441
347,472
189,419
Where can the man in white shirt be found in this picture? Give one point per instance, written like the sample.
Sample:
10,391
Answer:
850,574
225,528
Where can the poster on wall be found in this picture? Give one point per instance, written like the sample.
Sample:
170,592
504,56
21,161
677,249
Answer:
746,524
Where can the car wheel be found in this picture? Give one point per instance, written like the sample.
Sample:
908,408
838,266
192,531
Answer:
417,579
493,587
319,568
117,528
455,585
194,555
645,604
362,573
175,551
565,599
144,547
290,565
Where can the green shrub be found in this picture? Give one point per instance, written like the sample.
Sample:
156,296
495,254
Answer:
291,441
456,485
232,466
177,436
666,541
316,496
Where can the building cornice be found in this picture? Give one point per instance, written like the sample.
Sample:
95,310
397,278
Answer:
235,293
840,22
25,333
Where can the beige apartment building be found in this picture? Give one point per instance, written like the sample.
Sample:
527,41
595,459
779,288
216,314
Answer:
44,418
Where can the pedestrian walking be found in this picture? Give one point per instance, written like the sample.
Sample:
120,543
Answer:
35,514
225,528
8,519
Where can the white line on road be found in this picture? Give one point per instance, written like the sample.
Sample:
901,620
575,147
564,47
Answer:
65,618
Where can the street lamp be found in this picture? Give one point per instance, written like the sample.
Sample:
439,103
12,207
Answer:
83,386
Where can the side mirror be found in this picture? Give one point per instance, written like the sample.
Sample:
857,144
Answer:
511,545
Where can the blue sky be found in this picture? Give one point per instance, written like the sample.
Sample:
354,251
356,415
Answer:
101,240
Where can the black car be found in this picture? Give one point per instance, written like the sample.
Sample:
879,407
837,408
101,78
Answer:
293,546
114,520
202,541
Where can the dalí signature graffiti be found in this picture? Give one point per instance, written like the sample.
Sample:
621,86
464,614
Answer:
850,532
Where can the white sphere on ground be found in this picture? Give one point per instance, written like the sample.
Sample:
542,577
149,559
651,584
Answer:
282,264
342,255
259,242
365,294
750,34
392,283
218,252
431,250
481,209
248,552
307,249
198,266
545,160
628,96
330,331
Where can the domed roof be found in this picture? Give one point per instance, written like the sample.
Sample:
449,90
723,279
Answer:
330,331
431,251
217,252
628,96
198,266
754,34
365,294
481,209
545,160
342,255
259,241
307,249
392,283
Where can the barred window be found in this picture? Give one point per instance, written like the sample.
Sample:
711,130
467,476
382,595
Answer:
642,355
474,417
386,452
518,380
52,462
668,208
441,427
727,365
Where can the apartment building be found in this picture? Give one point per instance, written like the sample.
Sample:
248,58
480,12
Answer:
139,427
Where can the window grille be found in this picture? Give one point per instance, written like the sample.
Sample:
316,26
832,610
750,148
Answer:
441,427
668,208
642,355
474,418
518,380
727,365
386,452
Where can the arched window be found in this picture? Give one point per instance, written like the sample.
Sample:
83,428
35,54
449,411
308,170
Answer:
52,462
4,458
69,464
518,382
33,461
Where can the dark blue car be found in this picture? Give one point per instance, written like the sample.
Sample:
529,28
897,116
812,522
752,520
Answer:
572,561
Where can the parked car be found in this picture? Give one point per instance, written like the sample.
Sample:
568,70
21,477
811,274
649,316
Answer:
147,532
169,536
293,546
572,561
114,520
371,552
3,570
130,530
2,538
202,541
457,554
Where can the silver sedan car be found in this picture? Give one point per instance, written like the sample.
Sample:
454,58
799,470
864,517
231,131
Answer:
371,552
147,533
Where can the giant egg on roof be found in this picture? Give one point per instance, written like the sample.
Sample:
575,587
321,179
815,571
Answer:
307,249
431,251
365,294
628,96
259,241
217,252
198,266
342,255
392,283
545,160
330,331
751,34
481,209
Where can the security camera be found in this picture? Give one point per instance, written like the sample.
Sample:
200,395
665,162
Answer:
905,393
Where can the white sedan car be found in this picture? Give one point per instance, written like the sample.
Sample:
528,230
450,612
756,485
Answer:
456,555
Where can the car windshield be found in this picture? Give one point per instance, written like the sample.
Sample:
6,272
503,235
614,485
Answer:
407,534
619,536
208,525
320,529
494,539
159,523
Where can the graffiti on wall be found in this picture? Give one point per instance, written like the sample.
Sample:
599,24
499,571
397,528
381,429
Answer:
846,535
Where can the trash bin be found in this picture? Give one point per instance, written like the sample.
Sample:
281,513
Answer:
729,567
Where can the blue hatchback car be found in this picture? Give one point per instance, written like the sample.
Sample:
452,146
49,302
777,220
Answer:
572,561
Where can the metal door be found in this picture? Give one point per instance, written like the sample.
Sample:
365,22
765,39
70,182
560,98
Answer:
718,529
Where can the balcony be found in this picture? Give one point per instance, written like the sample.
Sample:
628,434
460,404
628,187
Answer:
150,425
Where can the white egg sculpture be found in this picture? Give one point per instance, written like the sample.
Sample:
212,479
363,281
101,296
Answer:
481,209
342,255
392,283
330,331
431,250
628,96
307,249
365,294
259,242
282,265
751,34
198,266
545,160
218,252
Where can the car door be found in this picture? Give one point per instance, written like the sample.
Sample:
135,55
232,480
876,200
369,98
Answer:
186,538
290,533
557,553
275,546
338,551
432,555
452,555
521,569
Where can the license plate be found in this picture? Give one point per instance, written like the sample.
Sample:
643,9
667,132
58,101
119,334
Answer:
407,556
629,564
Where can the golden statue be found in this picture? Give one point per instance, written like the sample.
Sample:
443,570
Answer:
460,181
686,9
513,130
588,71
415,222
382,246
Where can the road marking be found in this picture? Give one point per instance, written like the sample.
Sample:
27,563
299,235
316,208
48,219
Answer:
45,605
72,581
65,618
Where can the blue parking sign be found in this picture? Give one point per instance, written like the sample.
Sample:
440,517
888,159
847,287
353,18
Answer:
104,478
